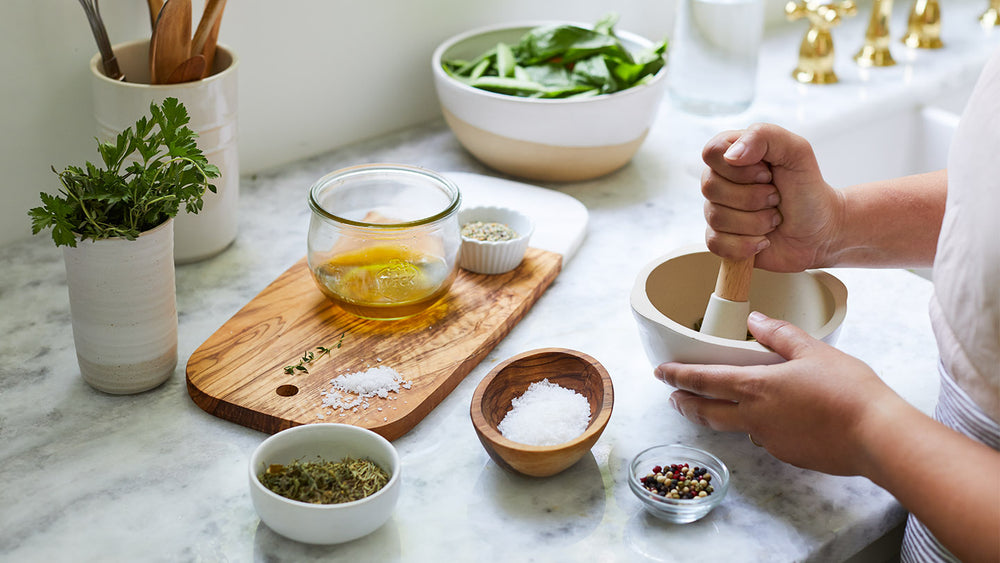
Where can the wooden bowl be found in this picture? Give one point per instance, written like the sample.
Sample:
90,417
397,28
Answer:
511,378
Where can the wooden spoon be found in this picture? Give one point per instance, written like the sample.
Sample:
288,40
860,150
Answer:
170,44
191,69
729,306
154,11
207,34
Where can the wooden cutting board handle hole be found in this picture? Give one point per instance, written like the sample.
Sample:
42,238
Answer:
287,390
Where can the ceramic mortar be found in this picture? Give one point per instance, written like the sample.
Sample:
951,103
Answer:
671,292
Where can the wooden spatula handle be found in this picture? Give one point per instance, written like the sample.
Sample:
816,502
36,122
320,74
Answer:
154,11
733,282
209,19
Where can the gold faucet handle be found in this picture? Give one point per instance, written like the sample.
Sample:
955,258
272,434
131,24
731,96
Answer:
816,55
923,31
875,50
820,13
991,17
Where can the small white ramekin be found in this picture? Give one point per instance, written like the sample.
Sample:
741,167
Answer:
494,257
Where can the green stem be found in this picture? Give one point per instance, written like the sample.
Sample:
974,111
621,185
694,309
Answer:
70,193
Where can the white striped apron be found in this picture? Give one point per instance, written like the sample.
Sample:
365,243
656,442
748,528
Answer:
956,410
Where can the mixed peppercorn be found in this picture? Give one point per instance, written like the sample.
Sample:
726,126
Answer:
679,481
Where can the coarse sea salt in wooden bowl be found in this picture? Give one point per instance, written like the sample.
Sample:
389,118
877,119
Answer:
510,379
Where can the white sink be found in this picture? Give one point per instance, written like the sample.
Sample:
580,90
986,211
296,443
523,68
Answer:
892,141
910,136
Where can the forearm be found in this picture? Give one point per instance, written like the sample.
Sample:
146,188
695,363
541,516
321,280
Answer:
890,224
948,481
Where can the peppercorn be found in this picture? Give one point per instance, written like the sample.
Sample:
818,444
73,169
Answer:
678,481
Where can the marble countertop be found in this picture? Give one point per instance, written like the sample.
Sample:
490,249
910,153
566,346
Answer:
93,477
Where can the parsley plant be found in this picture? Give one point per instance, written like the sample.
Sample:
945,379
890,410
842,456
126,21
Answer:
149,172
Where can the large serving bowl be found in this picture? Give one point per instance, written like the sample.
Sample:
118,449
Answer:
384,239
671,293
544,139
324,523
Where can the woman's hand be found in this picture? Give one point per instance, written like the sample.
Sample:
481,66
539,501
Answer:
765,194
811,411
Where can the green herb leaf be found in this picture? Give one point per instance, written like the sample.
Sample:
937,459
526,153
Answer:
565,44
309,356
147,174
505,60
606,24
560,61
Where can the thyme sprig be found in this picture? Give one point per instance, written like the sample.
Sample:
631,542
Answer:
309,356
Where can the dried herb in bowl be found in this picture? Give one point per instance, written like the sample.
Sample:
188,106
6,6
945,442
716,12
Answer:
325,482
488,231
560,61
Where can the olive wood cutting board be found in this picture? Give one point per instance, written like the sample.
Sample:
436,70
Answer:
238,373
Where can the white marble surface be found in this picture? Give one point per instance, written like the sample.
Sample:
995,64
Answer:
93,477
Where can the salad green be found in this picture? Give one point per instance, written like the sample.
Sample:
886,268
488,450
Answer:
561,61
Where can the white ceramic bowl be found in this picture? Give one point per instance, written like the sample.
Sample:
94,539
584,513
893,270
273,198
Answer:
544,139
494,257
324,523
670,295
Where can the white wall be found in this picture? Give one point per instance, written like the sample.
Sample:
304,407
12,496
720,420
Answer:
314,74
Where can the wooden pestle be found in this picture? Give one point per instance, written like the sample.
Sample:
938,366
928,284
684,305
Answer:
729,305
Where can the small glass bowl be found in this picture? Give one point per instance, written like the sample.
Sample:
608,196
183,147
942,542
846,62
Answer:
384,239
678,511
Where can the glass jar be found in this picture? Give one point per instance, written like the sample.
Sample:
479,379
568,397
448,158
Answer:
384,239
713,55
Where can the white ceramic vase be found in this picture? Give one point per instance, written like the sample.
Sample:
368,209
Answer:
124,307
212,105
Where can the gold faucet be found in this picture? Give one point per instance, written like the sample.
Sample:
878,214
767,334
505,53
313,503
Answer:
924,28
816,52
875,51
991,16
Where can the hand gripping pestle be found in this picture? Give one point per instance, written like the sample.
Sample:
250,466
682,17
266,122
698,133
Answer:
729,306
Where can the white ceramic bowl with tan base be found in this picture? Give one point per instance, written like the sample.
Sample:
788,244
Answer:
670,295
544,139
